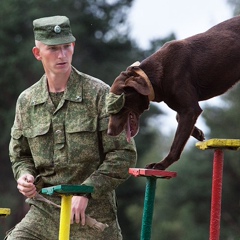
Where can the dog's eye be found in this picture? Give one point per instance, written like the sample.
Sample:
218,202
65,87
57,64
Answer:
128,90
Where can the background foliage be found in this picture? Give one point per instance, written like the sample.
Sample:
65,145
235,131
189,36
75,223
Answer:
103,49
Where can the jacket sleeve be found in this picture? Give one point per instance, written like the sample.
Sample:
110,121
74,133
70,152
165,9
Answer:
117,157
19,151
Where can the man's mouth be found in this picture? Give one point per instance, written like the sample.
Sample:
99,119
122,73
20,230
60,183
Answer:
61,64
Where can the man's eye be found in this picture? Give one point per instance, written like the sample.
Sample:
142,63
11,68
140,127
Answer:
53,48
67,46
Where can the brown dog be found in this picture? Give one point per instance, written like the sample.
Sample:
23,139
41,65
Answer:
181,74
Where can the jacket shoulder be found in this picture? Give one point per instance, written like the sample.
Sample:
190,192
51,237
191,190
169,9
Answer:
31,92
92,82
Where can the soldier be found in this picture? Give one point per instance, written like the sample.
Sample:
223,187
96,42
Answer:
59,136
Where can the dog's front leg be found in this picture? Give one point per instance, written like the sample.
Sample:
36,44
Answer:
186,122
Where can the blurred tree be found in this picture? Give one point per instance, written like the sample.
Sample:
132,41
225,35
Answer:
235,4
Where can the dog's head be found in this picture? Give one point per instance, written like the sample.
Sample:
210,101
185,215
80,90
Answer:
127,100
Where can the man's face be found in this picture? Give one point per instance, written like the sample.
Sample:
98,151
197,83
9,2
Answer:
55,58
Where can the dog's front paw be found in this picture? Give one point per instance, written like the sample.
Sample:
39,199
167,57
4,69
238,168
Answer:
150,166
159,166
156,166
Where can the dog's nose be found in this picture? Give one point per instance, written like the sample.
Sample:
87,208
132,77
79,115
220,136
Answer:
110,132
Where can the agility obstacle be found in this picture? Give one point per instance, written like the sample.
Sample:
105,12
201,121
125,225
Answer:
4,212
66,192
218,145
151,176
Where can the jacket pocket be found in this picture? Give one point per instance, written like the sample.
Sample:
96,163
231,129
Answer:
83,124
35,131
40,140
81,136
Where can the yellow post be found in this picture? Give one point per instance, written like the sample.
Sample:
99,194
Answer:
65,216
4,212
231,144
66,192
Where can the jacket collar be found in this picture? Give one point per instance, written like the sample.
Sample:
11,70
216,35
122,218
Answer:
73,91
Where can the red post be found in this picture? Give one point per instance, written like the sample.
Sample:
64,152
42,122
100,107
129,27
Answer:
215,217
218,145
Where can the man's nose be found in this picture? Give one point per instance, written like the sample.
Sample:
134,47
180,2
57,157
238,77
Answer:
61,53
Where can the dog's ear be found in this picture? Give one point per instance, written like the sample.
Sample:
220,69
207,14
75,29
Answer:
119,83
139,84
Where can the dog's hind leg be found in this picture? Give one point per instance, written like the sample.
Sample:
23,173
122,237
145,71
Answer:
196,133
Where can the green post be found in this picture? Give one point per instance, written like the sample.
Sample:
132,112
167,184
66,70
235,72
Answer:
148,208
151,175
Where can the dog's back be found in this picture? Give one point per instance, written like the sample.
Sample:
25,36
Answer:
231,24
209,60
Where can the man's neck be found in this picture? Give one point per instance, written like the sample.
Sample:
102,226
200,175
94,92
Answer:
57,82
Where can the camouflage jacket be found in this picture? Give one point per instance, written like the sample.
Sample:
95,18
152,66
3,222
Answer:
69,144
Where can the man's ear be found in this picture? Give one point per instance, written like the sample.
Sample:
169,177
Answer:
36,53
73,44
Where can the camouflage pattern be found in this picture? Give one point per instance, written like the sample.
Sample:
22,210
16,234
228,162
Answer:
61,146
115,103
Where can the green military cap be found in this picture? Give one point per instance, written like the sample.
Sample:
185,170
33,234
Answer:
53,30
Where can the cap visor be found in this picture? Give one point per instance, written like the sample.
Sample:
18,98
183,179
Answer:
59,41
